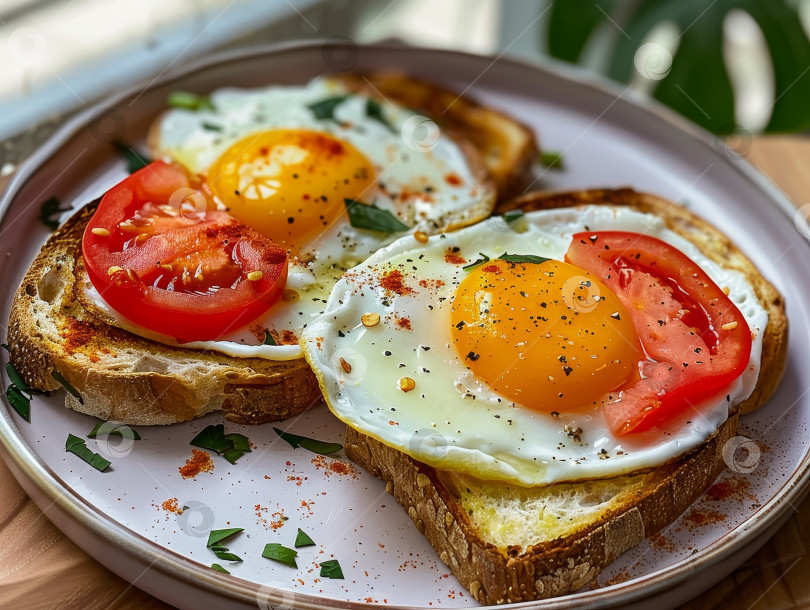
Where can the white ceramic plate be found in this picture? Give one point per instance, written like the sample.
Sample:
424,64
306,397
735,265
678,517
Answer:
608,139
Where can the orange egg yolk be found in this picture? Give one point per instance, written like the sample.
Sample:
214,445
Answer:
290,184
547,336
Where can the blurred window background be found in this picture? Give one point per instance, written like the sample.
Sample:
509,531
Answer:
744,62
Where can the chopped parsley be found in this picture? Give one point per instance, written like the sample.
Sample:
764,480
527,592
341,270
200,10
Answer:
369,216
135,161
49,212
523,258
222,552
219,568
484,259
374,111
302,539
18,392
331,569
280,553
325,109
19,402
316,446
552,160
69,388
513,215
189,101
215,536
230,446
77,446
268,338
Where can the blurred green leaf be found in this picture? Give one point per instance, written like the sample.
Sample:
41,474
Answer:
697,84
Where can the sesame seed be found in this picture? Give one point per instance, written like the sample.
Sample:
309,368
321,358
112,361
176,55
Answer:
255,276
729,325
421,237
345,365
100,232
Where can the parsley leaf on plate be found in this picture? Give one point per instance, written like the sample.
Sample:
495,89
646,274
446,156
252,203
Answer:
77,446
280,553
331,569
302,539
314,445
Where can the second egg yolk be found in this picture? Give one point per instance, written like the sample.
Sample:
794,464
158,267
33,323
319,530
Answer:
547,336
290,184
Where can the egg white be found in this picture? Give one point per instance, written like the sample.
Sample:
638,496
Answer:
197,139
453,420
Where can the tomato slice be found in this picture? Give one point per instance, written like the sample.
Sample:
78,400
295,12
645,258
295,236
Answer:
696,339
161,255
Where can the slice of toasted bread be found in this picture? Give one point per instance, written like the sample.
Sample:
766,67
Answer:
509,544
508,147
598,520
125,378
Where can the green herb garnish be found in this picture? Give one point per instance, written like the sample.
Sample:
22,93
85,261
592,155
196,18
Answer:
369,216
70,389
374,111
189,101
484,259
230,446
280,553
215,536
18,381
77,446
224,555
240,442
107,428
316,446
268,339
19,401
19,393
331,569
552,160
135,161
219,568
523,258
325,109
49,211
513,215
302,539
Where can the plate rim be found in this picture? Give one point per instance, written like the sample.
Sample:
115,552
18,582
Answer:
198,575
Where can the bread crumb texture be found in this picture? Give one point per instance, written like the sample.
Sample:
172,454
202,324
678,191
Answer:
506,515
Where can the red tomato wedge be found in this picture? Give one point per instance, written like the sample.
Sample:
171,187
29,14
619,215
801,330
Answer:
696,339
161,255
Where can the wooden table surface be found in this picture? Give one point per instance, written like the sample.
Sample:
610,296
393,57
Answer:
41,568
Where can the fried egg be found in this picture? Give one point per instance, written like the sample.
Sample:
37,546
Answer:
395,363
285,160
